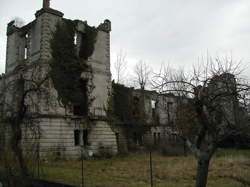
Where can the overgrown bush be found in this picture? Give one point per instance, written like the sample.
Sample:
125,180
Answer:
175,148
123,149
67,66
168,147
104,152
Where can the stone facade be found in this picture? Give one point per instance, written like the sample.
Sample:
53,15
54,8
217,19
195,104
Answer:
161,110
62,131
158,119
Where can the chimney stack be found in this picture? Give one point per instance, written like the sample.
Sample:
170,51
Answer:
46,4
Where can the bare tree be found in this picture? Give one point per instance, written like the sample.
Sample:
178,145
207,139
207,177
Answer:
141,79
214,92
142,74
120,67
20,94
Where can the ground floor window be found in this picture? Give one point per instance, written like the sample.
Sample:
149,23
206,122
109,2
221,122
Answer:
85,134
81,137
157,138
137,138
77,137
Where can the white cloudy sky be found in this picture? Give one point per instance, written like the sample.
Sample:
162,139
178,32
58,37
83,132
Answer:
160,31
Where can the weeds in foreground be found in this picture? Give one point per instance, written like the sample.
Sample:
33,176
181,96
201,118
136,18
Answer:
226,169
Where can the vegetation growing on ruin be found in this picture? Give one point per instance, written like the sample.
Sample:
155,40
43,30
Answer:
67,65
186,122
87,42
123,105
127,110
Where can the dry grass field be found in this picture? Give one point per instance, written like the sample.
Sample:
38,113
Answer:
228,168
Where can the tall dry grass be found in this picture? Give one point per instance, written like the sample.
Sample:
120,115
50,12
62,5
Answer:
227,170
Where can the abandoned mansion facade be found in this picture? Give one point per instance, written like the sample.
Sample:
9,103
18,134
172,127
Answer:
57,84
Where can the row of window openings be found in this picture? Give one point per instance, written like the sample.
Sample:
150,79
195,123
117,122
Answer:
26,49
169,108
137,138
169,105
157,138
81,137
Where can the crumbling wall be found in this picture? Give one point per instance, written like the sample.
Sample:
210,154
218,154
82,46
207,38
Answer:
16,43
58,123
100,64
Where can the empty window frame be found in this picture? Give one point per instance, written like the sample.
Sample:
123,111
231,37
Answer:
137,138
77,110
159,136
81,137
26,48
75,38
153,104
155,138
85,134
25,53
82,108
77,137
169,111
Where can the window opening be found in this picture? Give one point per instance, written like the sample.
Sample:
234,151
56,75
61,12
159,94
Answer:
77,110
85,134
153,104
136,109
159,136
155,138
82,108
26,49
77,137
25,53
169,110
75,39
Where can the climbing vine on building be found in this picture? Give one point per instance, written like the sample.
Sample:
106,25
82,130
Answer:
88,40
127,110
67,66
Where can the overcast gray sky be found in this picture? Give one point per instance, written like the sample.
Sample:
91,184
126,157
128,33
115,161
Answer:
160,31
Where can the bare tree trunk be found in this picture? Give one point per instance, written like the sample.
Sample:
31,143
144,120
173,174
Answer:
202,172
16,146
21,160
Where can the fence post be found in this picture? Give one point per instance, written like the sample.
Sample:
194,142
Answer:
151,169
38,160
82,165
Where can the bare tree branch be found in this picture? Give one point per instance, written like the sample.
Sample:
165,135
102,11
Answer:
120,66
214,92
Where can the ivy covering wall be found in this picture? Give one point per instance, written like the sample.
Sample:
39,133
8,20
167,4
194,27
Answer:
67,65
127,110
87,42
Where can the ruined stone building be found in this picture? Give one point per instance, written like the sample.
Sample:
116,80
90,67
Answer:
62,67
160,112
62,128
143,118
151,118
57,84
